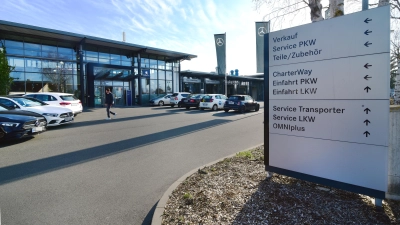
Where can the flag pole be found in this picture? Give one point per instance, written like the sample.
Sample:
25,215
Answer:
226,79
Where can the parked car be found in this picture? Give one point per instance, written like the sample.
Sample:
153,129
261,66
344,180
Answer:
241,103
59,99
212,101
192,100
164,100
54,115
16,124
176,98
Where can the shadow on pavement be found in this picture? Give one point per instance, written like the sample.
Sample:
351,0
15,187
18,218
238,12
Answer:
36,167
97,122
149,217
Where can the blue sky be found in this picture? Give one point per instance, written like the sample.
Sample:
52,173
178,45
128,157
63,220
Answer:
186,26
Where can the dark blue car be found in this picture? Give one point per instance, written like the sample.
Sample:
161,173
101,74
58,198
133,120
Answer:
16,123
241,103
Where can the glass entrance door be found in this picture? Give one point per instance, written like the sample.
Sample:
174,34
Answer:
99,96
119,99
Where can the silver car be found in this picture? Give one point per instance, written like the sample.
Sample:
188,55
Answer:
164,100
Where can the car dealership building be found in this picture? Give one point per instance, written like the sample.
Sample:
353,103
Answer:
58,61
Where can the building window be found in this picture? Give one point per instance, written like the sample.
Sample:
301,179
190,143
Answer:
32,49
161,87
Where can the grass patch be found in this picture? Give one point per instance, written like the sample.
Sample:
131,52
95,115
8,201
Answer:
245,154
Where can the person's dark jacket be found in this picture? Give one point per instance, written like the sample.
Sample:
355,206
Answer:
109,99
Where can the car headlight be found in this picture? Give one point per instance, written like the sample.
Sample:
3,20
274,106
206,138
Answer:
50,114
9,124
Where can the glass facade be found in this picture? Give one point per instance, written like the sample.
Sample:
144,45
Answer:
41,67
47,65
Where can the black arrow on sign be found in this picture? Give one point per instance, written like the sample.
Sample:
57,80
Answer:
366,133
367,20
367,110
367,88
366,122
367,65
367,32
366,77
367,44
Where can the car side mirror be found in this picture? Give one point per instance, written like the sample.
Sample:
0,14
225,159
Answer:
16,107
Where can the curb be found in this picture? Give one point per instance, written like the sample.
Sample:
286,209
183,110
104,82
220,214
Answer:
157,215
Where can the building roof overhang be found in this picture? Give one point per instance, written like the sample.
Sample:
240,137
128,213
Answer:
28,30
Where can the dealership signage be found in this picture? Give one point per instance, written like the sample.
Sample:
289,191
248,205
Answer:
329,101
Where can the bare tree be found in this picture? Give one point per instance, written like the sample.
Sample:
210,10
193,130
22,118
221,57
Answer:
336,8
57,76
283,9
316,10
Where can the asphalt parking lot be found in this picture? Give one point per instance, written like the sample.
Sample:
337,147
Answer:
95,171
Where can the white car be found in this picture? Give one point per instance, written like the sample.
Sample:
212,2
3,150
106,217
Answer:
176,98
54,115
59,99
164,100
213,102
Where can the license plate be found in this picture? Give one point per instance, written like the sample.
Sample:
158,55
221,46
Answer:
230,102
185,100
37,129
74,104
205,104
68,118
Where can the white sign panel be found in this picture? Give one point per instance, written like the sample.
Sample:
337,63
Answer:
363,77
356,164
329,99
339,120
361,33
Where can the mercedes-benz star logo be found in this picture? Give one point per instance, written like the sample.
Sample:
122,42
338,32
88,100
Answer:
220,41
37,123
262,31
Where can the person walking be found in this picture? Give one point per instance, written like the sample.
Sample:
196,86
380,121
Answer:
109,103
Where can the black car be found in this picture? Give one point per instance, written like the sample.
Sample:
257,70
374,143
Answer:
16,123
241,103
192,100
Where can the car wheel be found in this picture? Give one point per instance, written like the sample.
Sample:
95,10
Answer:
187,107
257,108
179,105
226,110
172,105
214,108
160,103
242,109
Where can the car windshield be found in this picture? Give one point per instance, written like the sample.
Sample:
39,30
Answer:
236,98
68,97
207,98
195,96
29,102
4,107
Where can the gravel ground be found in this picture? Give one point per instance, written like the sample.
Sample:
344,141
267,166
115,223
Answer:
237,191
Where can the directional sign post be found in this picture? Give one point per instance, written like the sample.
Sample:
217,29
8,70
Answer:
329,101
